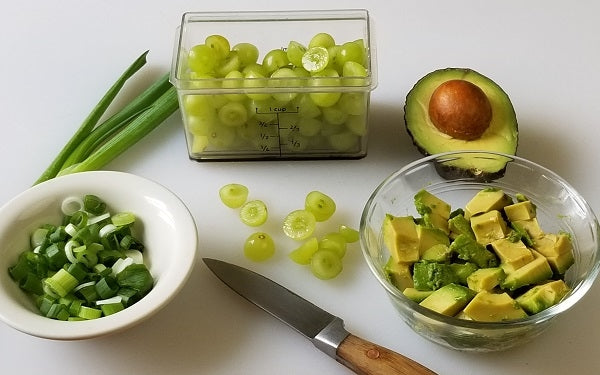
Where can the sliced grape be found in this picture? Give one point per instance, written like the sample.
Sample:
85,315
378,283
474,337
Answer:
284,77
198,105
234,80
335,115
259,246
309,127
233,195
299,224
202,59
303,253
203,80
328,78
322,40
221,136
350,234
306,107
315,59
247,52
219,44
357,125
351,51
198,143
202,124
334,241
353,103
255,79
326,264
294,52
320,205
254,213
344,141
274,60
233,114
353,69
230,63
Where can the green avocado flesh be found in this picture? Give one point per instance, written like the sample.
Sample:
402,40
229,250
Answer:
501,135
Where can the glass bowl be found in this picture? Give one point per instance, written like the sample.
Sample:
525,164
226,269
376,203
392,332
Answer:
559,208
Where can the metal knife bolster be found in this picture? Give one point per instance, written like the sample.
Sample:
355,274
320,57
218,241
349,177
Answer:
329,338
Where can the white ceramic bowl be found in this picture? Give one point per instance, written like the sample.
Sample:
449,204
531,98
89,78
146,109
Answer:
167,230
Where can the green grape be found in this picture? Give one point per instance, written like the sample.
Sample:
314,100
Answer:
202,59
357,124
254,213
234,81
219,44
203,81
201,124
320,205
299,224
284,77
198,105
351,51
327,78
326,264
303,253
306,107
335,242
221,136
321,40
350,235
248,53
230,63
255,69
274,60
344,141
294,52
308,126
353,69
353,103
301,72
259,246
250,131
233,195
253,80
335,114
198,143
233,114
315,59
330,129
334,52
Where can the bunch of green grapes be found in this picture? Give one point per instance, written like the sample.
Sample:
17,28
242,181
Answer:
331,116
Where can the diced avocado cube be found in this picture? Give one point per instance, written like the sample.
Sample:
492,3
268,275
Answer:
533,272
520,211
470,250
459,225
514,254
462,271
429,237
493,307
488,227
400,237
560,264
552,245
427,203
432,276
531,227
449,299
485,279
439,253
416,295
540,297
399,274
433,220
487,200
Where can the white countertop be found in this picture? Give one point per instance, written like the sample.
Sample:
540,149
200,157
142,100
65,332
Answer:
60,57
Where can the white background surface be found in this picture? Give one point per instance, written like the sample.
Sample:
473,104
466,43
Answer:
59,57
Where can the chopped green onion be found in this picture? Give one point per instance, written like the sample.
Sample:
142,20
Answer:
70,205
89,313
69,250
93,204
122,218
79,219
137,277
70,229
111,308
136,256
38,237
120,265
61,283
113,299
107,229
107,287
99,218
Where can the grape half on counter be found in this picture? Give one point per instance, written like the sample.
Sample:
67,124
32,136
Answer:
315,89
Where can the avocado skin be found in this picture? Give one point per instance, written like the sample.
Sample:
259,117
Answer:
447,170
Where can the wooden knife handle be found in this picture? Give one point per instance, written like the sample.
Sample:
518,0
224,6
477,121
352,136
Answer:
364,357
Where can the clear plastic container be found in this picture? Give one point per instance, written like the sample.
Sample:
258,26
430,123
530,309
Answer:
274,108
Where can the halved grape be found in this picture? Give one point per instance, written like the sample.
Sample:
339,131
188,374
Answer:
350,234
315,59
303,253
233,114
202,59
309,127
335,114
234,80
229,64
254,213
295,51
201,124
255,79
327,78
284,77
198,143
274,60
198,105
351,51
247,52
219,44
233,195
344,141
259,246
320,205
353,103
357,124
321,40
334,241
326,264
221,136
306,107
299,224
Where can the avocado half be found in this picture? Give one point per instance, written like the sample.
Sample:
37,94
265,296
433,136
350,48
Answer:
501,135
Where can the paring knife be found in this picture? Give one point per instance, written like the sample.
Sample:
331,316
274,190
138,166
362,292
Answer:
325,330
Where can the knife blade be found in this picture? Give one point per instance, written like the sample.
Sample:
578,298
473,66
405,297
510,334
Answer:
326,331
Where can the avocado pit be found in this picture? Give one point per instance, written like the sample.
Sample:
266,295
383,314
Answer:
460,109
